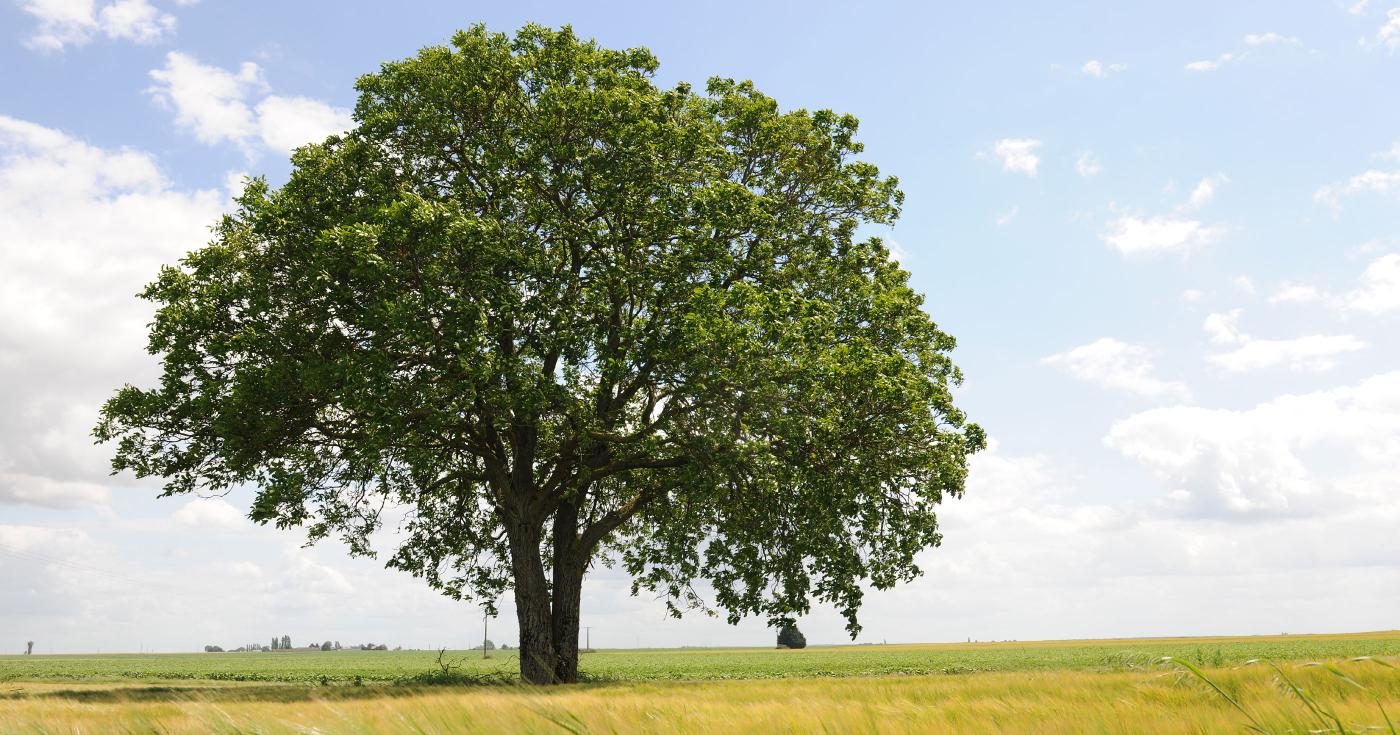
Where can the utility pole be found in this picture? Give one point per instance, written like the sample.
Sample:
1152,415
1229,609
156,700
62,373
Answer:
588,631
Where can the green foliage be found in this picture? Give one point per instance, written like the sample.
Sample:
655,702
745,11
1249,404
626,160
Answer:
546,309
790,637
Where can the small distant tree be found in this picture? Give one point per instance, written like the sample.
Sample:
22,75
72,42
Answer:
29,648
275,643
213,649
790,637
287,642
327,646
337,645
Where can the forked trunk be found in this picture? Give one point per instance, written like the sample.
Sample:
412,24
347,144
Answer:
548,615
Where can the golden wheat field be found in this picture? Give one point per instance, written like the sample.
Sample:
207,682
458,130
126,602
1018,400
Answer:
1128,691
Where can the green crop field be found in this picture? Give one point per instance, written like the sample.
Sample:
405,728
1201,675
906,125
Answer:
671,664
1049,687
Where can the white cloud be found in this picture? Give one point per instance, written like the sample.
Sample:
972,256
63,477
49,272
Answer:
1007,216
1265,39
1358,7
1087,165
1205,190
1296,293
1245,284
1223,328
96,226
1192,295
1379,289
1239,463
1136,235
305,574
46,492
211,514
1210,64
285,123
1251,40
1310,353
1114,364
1373,181
1389,33
1096,68
208,101
214,104
64,23
1018,155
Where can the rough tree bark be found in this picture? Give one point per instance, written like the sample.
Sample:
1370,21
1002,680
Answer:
569,564
532,607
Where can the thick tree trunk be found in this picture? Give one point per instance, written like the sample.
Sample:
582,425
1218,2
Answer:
532,609
568,586
548,612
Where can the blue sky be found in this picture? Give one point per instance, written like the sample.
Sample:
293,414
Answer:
1166,236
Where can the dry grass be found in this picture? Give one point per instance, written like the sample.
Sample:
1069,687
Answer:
1160,700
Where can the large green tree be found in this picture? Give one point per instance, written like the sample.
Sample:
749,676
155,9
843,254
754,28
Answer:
549,314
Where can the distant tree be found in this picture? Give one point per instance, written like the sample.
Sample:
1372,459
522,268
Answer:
547,309
337,645
790,637
382,647
29,648
287,642
327,646
276,644
213,649
488,645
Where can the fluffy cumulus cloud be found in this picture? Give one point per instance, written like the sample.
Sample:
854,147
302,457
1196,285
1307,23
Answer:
1132,234
1118,365
1182,558
1176,231
1265,460
63,23
1205,190
1223,327
1270,37
91,227
1378,291
1018,155
1373,181
1210,64
1388,36
1311,353
1308,353
219,105
211,514
1087,165
1096,68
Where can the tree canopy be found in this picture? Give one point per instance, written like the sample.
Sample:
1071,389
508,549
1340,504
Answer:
536,311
